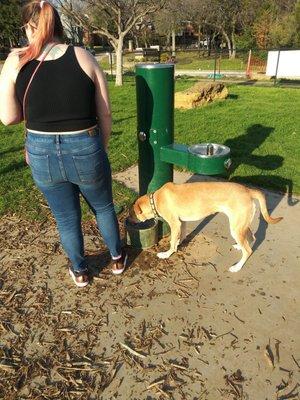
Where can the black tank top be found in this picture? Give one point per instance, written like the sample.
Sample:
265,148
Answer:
61,96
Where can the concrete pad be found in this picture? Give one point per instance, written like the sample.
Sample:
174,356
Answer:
258,305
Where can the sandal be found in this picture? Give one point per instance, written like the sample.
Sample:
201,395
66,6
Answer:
80,278
119,265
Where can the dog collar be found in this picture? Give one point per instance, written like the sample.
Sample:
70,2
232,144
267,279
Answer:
156,215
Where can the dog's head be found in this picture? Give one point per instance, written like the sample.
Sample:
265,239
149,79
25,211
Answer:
141,210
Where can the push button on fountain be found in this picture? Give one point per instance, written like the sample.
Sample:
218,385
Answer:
142,136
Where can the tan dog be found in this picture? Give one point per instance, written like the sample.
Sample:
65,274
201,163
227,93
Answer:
194,201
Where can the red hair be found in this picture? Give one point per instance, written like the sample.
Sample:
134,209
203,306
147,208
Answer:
48,25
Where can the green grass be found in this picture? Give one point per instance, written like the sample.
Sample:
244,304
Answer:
208,65
260,125
186,60
105,65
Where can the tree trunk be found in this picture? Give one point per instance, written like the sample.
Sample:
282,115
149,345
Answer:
119,62
80,36
136,41
228,43
173,43
168,41
199,36
233,53
213,43
208,44
199,40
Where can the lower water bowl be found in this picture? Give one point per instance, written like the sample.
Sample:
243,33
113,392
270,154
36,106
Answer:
141,235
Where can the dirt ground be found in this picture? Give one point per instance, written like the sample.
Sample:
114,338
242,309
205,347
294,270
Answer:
183,328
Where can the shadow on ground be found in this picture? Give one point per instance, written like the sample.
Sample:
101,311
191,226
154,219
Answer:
242,148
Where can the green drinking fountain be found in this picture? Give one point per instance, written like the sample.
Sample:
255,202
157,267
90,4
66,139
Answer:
157,151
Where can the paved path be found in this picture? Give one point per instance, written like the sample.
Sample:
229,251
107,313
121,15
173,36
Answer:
259,304
202,73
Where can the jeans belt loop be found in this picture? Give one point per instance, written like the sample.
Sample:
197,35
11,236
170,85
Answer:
92,132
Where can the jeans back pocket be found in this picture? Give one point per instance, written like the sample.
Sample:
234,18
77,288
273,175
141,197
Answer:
40,167
89,167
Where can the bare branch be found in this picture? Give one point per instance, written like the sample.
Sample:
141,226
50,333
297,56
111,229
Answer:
134,18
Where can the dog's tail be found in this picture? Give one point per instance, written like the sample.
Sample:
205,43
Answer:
258,195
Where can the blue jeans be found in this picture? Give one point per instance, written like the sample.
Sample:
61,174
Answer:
62,167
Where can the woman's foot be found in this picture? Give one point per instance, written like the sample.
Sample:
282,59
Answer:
80,278
119,265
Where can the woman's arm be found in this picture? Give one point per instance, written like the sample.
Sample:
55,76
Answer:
90,66
10,108
103,105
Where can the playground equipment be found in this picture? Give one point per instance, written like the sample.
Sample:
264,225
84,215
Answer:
157,150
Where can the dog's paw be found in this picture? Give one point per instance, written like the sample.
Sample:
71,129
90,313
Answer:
164,254
236,246
235,268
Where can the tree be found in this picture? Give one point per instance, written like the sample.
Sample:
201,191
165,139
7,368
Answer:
276,24
263,23
283,33
261,29
10,22
226,17
73,32
142,32
218,17
113,19
297,20
199,12
169,20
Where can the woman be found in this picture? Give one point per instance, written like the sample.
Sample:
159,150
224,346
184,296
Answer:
68,122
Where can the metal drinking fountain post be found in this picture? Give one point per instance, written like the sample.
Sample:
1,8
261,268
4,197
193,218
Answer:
157,150
155,123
